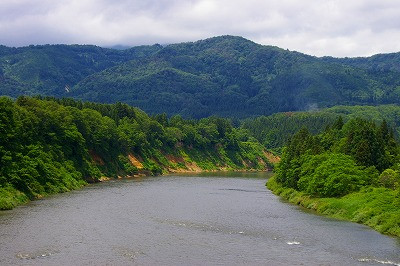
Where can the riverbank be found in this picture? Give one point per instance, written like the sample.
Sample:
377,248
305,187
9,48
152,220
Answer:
378,208
10,197
199,219
50,146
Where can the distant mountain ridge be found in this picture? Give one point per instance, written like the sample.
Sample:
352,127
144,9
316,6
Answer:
226,76
48,69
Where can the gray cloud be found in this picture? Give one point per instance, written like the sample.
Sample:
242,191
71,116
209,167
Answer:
317,27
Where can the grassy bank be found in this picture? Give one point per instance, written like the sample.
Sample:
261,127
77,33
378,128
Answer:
250,157
10,198
181,161
378,208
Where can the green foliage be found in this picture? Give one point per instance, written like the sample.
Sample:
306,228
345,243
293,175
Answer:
389,179
332,175
55,69
11,197
340,173
154,168
52,145
226,76
342,159
275,130
302,143
216,75
378,208
128,168
364,143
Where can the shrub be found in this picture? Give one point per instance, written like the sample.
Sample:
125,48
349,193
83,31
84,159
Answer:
389,179
126,165
334,175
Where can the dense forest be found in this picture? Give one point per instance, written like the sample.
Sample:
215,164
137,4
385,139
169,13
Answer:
226,76
339,160
351,170
50,145
55,69
275,130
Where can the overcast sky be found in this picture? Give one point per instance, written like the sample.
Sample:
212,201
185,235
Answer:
316,27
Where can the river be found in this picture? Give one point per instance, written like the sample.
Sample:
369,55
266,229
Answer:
220,219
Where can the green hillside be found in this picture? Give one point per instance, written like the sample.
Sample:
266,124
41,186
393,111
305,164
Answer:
51,146
50,69
232,76
274,130
349,171
226,76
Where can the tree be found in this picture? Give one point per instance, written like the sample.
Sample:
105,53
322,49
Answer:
362,142
333,175
300,144
389,179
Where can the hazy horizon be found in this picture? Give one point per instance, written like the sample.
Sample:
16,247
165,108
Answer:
124,47
322,28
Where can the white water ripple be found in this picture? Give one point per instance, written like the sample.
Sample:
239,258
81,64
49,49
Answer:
388,262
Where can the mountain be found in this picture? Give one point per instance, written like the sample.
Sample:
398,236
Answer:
376,63
54,69
226,76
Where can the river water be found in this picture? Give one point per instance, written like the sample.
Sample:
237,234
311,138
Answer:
184,220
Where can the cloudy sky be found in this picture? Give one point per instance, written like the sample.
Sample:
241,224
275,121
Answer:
317,27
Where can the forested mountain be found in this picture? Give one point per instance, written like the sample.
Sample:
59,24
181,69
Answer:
54,69
231,76
375,63
226,76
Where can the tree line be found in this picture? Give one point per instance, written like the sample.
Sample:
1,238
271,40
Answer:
342,159
50,145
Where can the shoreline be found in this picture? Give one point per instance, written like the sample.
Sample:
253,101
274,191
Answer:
362,207
11,197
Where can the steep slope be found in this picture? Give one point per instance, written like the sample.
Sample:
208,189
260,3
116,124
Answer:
55,145
232,76
226,76
54,69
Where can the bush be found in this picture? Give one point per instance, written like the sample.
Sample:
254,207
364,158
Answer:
126,165
10,197
389,179
334,175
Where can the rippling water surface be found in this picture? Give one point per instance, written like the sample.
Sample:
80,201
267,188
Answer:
184,220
